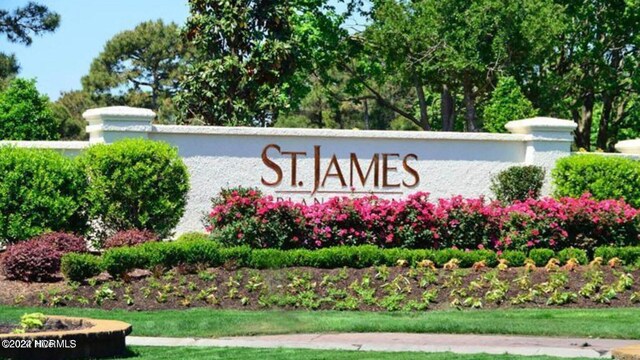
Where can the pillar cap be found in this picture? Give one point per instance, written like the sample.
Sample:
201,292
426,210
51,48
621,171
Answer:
540,124
629,146
120,112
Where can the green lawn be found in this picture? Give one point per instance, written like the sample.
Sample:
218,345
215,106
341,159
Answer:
619,323
172,353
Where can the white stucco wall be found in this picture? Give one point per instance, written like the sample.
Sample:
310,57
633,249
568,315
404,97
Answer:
441,163
445,163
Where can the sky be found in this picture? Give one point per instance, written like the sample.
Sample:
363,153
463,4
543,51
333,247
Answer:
59,60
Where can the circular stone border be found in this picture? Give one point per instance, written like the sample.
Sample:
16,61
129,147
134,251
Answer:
104,338
627,353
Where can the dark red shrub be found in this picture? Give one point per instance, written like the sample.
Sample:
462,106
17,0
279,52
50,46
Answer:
31,260
64,242
130,238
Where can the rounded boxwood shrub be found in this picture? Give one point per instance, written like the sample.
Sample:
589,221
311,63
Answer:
40,190
135,184
31,260
79,267
541,256
130,238
518,183
604,177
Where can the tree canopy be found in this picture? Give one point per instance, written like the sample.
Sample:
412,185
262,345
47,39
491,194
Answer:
19,26
140,66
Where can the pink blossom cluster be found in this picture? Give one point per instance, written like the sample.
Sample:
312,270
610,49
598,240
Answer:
244,216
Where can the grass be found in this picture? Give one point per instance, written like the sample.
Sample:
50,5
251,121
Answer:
618,323
162,353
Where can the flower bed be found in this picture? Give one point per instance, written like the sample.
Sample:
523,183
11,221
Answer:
378,288
245,217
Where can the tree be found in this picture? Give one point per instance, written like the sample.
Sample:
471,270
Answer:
597,62
8,66
142,66
454,47
251,58
25,113
507,103
68,110
20,26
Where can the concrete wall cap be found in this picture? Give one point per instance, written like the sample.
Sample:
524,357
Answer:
120,112
335,133
540,124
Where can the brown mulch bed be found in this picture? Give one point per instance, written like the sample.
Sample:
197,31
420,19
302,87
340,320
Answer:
310,288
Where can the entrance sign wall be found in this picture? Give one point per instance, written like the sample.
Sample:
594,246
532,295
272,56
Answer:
315,164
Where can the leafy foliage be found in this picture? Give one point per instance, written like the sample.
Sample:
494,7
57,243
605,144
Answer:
507,103
79,267
24,22
64,242
40,191
602,177
130,238
19,26
244,217
246,57
25,114
518,183
135,184
31,260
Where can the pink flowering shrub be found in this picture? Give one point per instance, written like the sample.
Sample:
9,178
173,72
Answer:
245,217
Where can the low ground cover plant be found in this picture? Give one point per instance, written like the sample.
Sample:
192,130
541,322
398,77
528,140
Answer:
245,217
382,287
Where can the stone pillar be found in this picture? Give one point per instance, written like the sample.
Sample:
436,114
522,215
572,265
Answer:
547,140
106,125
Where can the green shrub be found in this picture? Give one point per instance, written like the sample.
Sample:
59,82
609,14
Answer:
518,183
568,253
629,255
40,190
514,257
604,177
118,261
78,267
135,184
541,256
193,236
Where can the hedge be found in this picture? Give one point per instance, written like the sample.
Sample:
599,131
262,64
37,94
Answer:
604,177
118,261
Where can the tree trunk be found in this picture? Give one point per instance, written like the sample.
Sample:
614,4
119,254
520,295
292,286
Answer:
470,105
585,120
605,120
424,116
366,115
447,109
